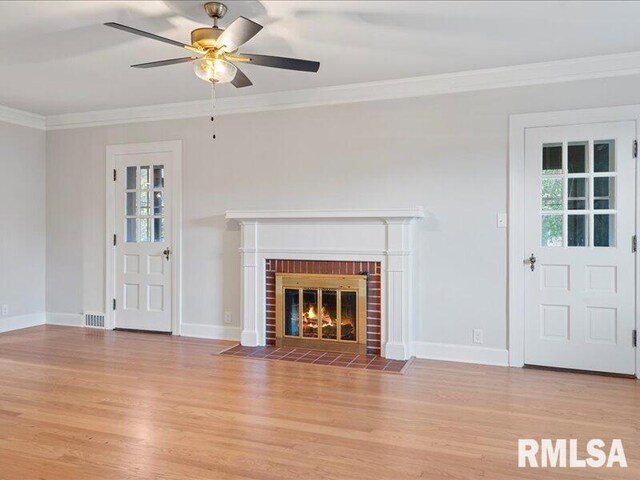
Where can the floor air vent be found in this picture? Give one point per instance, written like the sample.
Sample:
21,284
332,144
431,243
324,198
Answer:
95,320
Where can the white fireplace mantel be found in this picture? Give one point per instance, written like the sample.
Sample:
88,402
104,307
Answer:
384,236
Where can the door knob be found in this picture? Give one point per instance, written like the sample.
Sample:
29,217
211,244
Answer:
167,252
531,261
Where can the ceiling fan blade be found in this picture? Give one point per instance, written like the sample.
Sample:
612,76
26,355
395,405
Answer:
238,33
162,63
240,80
277,62
152,36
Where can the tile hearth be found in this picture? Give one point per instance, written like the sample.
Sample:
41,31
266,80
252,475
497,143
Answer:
320,357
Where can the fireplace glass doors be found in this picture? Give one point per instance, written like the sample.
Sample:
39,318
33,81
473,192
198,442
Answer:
314,308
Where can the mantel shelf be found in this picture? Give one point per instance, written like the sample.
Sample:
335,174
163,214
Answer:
382,214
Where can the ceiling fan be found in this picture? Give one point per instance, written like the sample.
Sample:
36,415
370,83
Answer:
217,50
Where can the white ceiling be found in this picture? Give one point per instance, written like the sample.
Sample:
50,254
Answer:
57,57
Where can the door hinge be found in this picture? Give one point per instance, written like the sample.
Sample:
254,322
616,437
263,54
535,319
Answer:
115,175
634,338
634,243
635,149
114,239
114,303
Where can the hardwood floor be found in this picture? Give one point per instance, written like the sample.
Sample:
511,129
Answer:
87,404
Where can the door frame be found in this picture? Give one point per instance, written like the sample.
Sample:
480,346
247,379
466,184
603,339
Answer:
174,147
518,124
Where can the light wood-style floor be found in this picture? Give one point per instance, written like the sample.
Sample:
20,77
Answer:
86,404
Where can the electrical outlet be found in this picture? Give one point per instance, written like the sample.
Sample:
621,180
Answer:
477,336
227,317
5,310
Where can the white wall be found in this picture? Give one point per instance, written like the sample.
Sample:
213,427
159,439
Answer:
22,225
447,153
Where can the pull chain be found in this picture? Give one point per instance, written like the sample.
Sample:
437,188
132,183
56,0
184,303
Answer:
213,109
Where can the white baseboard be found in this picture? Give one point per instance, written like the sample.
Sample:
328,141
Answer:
66,319
17,322
215,332
461,353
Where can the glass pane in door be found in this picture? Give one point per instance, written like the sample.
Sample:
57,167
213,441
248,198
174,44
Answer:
131,230
291,312
604,230
158,229
132,178
348,316
577,230
329,314
577,193
577,157
552,159
604,193
603,156
158,176
551,231
310,313
552,193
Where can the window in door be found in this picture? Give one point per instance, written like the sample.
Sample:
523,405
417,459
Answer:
578,190
145,209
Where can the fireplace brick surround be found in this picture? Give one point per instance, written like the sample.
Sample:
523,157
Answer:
374,269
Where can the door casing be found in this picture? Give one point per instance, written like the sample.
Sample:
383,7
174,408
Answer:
112,152
516,241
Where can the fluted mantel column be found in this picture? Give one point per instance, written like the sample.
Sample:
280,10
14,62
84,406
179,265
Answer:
398,292
249,276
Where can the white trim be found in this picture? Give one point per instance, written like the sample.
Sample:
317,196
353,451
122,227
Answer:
16,322
461,353
390,213
20,117
467,81
66,319
215,332
174,147
517,127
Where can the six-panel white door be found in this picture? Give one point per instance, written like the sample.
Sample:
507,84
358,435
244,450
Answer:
143,249
579,225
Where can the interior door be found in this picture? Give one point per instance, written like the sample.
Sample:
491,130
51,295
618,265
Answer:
579,228
143,251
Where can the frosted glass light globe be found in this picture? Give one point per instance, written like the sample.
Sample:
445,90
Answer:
215,70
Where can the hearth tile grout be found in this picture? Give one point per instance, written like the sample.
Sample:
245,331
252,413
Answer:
371,362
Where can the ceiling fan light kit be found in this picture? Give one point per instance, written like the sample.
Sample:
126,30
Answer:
217,50
215,70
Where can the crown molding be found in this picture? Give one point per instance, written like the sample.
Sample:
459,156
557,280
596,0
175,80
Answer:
20,117
474,80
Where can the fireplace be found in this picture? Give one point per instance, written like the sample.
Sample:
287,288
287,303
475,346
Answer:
321,311
379,242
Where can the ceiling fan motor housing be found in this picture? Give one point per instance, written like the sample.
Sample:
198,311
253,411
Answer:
206,37
215,9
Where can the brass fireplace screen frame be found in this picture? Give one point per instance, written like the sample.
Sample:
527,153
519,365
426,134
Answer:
318,282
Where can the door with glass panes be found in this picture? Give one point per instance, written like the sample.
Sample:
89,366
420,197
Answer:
580,265
143,249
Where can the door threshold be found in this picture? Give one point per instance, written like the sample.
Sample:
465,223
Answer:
137,330
584,372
